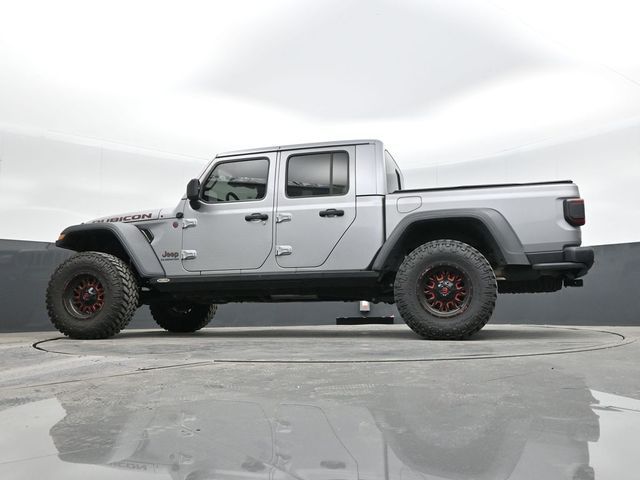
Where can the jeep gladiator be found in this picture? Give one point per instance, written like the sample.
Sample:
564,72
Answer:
325,221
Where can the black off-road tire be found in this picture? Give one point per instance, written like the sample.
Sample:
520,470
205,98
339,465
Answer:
477,280
114,287
180,317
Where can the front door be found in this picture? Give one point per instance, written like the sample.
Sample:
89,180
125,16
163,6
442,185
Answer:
316,204
233,228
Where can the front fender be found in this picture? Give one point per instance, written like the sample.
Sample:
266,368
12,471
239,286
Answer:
97,236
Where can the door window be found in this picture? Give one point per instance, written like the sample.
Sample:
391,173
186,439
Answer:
237,181
318,174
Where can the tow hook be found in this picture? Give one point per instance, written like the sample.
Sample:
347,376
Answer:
573,282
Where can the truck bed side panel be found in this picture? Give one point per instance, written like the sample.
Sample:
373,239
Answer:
534,211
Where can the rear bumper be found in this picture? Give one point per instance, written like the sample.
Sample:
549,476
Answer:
571,262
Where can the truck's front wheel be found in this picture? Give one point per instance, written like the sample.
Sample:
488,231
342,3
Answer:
445,290
180,317
92,295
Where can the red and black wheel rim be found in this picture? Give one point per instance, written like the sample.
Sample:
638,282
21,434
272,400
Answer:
444,291
84,296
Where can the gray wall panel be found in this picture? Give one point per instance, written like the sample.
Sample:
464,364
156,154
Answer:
609,297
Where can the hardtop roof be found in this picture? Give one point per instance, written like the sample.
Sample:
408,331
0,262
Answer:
300,146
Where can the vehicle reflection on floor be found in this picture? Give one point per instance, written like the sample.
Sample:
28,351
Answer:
372,432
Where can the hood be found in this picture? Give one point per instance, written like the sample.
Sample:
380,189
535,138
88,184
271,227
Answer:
131,217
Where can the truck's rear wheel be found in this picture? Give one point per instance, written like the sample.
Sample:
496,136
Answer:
180,317
445,290
92,295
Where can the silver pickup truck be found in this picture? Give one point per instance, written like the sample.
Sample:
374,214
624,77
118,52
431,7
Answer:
324,221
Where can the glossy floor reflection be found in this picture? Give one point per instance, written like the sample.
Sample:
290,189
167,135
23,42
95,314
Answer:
342,344
572,415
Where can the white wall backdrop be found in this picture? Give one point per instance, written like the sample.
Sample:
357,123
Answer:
49,181
112,106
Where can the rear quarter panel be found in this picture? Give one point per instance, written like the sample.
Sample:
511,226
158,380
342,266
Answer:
534,211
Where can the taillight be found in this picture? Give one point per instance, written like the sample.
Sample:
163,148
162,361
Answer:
574,211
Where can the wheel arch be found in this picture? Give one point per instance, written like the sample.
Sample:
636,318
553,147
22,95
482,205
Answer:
122,240
484,229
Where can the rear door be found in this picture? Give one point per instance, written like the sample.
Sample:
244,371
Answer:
233,228
316,204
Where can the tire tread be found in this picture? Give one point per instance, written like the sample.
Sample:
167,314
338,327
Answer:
125,299
198,318
404,288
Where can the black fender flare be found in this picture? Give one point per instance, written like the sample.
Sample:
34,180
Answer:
132,240
496,225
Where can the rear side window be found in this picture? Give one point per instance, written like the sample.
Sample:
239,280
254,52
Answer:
237,181
318,174
392,173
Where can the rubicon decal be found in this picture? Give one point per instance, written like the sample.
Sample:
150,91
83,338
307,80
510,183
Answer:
126,218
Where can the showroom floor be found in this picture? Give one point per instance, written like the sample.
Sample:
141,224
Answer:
365,402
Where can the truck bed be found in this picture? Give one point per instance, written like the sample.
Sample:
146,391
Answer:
533,210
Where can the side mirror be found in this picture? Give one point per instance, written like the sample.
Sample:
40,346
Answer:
193,193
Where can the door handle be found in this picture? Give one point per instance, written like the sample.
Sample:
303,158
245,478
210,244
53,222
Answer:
256,216
283,217
331,212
